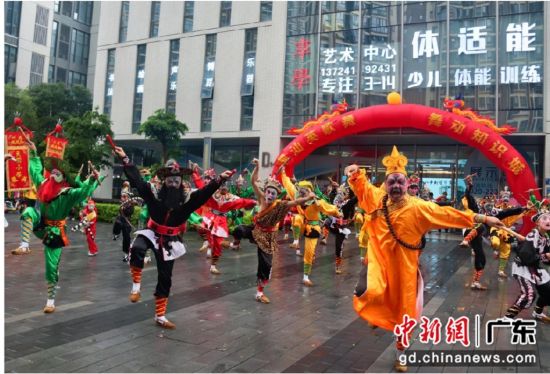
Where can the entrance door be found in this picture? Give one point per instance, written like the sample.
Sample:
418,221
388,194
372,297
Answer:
436,167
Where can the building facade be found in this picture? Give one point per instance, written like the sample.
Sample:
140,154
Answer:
50,41
239,74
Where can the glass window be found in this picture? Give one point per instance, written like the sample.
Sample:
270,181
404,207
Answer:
67,8
173,67
266,8
379,15
41,25
247,112
424,77
123,29
80,47
61,75
233,157
380,64
472,62
302,25
225,13
206,115
155,19
64,38
56,6
53,47
138,92
300,80
520,71
51,73
425,11
12,17
249,62
338,69
76,78
207,89
188,14
227,157
10,63
471,9
302,8
516,7
109,81
37,69
82,11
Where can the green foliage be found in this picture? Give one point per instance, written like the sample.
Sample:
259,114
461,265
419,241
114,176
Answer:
107,212
164,128
42,105
86,135
17,100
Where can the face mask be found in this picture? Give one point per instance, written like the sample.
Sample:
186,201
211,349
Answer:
173,182
57,176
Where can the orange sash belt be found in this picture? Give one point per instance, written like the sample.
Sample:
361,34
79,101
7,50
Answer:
61,225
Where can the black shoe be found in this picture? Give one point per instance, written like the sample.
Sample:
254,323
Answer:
126,258
115,237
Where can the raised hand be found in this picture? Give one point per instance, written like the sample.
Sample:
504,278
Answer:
350,170
120,152
227,174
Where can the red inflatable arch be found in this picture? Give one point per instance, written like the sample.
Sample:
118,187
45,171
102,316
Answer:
490,143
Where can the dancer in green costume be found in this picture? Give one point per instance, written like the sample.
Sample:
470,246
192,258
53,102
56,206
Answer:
57,199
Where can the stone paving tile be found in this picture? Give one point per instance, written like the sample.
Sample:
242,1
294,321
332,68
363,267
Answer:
220,327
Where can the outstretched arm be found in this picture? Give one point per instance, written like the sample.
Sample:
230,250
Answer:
132,173
254,180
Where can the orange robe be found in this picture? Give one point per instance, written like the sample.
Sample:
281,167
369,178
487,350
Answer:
394,283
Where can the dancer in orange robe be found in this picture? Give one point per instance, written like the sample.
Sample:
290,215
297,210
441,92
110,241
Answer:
391,286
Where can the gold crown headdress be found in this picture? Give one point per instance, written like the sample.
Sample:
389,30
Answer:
305,184
395,163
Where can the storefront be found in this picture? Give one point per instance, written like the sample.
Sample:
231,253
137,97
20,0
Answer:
440,162
488,53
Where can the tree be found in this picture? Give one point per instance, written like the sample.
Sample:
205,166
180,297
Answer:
42,105
17,100
86,136
164,128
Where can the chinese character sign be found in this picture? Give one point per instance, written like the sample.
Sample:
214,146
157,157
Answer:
338,70
55,147
424,59
379,67
17,172
208,79
249,70
521,49
301,66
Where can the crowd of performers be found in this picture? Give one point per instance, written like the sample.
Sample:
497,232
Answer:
389,221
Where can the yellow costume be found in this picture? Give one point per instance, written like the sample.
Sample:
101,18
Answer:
312,228
361,232
501,242
394,283
297,230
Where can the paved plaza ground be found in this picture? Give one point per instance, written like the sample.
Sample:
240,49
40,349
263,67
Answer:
220,327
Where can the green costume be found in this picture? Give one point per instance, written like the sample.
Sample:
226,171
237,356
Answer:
144,212
49,222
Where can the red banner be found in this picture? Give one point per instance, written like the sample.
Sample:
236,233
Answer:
14,139
55,147
17,172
